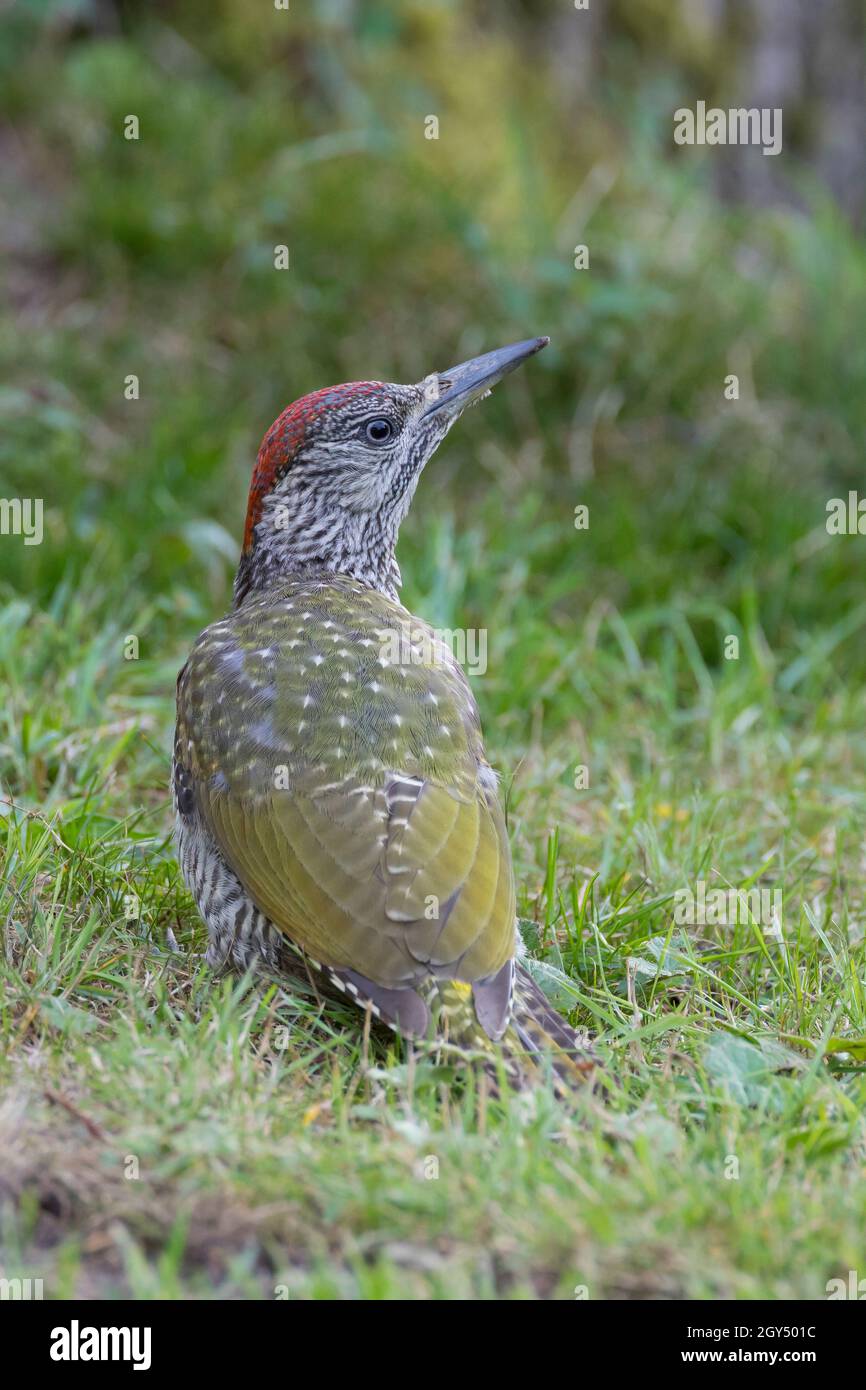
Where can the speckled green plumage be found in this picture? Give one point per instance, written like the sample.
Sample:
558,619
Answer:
335,756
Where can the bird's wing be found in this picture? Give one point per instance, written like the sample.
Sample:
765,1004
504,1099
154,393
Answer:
333,750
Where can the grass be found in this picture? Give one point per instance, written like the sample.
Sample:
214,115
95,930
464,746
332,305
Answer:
168,1134
274,1146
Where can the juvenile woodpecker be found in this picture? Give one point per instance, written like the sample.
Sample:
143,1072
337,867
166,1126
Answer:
332,796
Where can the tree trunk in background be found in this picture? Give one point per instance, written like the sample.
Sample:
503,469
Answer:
838,64
808,59
806,56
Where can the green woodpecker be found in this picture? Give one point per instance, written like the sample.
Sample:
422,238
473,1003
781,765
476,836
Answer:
332,796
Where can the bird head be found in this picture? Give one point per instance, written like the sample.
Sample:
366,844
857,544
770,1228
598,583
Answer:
337,470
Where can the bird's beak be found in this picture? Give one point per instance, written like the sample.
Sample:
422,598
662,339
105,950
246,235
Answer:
460,386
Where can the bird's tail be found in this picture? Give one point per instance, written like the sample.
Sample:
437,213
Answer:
537,1041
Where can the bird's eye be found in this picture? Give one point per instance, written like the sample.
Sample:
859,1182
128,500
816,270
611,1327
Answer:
378,431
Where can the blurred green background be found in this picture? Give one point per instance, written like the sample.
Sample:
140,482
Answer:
306,128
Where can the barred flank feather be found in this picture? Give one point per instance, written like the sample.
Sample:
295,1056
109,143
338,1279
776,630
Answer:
544,1034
